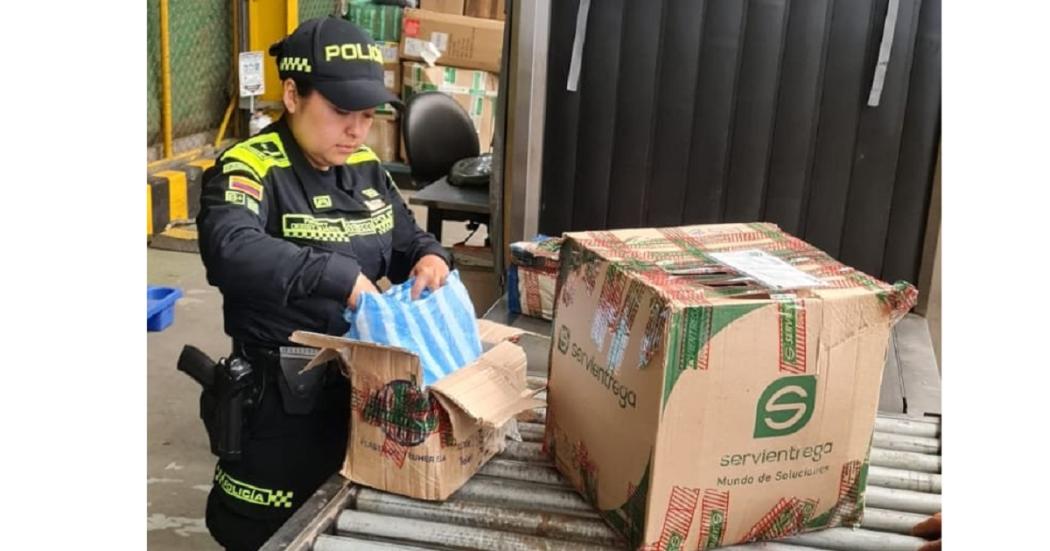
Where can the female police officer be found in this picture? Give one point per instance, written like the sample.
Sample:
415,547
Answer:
295,223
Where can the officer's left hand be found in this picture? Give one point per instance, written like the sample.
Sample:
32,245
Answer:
430,273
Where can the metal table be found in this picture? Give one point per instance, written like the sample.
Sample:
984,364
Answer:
447,202
518,501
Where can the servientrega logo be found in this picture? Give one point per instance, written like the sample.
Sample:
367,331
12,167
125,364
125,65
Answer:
785,406
563,339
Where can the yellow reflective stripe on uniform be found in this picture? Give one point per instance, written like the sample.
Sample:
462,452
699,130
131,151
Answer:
363,155
234,166
305,226
260,153
252,494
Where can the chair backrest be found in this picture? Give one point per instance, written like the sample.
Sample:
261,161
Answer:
437,132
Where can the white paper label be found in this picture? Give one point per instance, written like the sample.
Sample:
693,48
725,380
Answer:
413,47
389,51
250,73
388,79
440,40
769,270
430,53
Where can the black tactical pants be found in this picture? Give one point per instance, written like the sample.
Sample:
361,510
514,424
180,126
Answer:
286,457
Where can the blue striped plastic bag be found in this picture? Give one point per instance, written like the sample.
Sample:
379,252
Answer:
439,326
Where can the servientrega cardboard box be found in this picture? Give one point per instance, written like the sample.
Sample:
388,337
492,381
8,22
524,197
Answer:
425,443
715,385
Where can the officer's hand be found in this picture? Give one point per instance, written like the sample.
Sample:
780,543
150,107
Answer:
430,273
929,529
362,285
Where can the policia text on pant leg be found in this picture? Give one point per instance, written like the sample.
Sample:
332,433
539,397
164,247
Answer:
295,222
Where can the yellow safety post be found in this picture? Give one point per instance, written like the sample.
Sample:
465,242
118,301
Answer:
165,79
292,14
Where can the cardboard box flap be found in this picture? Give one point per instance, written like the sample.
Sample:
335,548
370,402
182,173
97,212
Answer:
331,346
489,391
493,333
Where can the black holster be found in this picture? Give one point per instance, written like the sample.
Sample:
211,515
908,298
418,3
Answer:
229,389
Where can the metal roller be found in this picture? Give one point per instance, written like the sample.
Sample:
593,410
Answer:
525,451
906,443
770,546
901,479
849,539
906,460
327,542
902,500
926,429
531,432
480,515
526,472
511,493
446,535
886,520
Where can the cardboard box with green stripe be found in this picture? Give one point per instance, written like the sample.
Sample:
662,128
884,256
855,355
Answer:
712,385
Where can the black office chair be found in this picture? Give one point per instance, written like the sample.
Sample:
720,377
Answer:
437,132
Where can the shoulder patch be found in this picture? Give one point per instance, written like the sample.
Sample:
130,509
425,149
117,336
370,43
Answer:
253,189
237,166
259,153
240,198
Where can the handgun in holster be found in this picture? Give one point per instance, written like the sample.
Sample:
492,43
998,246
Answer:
227,392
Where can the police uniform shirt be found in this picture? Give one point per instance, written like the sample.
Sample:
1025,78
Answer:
284,242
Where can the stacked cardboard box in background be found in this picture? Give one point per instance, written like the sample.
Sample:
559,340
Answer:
452,40
454,7
532,276
442,50
383,23
457,55
488,9
384,138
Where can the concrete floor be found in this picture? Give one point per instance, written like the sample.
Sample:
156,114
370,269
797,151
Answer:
179,463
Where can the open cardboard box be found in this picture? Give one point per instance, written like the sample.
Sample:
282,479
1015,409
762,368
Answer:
426,443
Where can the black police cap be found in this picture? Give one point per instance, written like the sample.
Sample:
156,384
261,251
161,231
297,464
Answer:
339,59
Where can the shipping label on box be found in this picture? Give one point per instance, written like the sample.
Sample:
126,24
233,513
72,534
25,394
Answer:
425,443
695,405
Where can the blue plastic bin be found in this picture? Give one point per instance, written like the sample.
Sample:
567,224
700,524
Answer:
160,307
